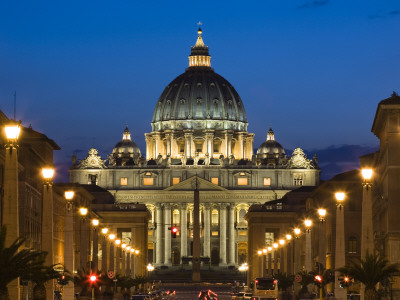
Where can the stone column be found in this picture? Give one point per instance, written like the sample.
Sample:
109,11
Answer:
184,230
149,146
276,260
240,145
207,230
210,143
222,233
159,146
112,257
282,258
69,247
167,233
231,247
10,215
188,143
168,140
322,244
159,239
269,263
228,141
339,251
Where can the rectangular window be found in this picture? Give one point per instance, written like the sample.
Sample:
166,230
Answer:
243,233
267,181
214,233
150,233
242,181
175,180
352,245
148,181
298,179
123,181
214,180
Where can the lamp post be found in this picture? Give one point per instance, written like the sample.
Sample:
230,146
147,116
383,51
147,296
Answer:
297,232
69,242
275,249
269,250
84,238
128,260
47,223
95,250
10,216
104,232
132,262
289,256
111,237
339,247
282,256
123,265
117,256
321,240
260,263
308,263
367,239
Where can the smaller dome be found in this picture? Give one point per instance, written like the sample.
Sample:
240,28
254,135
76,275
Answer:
126,146
270,146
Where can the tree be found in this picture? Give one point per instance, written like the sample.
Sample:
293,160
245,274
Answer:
370,271
43,275
26,263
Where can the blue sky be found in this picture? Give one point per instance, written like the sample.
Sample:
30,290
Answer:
313,70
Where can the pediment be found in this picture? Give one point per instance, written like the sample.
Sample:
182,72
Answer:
190,184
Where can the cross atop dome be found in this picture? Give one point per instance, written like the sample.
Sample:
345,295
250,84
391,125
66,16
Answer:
199,56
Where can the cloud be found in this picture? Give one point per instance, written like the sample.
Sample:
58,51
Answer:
313,4
380,15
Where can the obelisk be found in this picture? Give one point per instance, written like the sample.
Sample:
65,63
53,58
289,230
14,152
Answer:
196,235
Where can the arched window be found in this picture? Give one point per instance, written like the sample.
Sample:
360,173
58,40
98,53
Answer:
176,217
352,245
242,213
214,217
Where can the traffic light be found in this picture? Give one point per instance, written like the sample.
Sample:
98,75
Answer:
318,280
345,282
93,279
174,231
62,280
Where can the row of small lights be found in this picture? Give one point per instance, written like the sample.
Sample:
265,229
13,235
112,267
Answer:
340,196
69,195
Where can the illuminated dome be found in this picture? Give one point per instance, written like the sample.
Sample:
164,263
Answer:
125,152
199,98
270,146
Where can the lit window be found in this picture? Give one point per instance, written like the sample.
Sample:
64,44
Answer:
352,245
214,180
175,180
214,217
148,181
176,217
242,173
242,181
267,181
148,174
124,181
214,233
150,233
242,233
298,179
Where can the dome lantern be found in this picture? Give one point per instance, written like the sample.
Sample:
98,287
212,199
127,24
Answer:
270,135
199,56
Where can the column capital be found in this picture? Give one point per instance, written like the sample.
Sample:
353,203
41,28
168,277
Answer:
167,205
183,206
207,206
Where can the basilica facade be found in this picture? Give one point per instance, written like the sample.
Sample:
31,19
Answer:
199,138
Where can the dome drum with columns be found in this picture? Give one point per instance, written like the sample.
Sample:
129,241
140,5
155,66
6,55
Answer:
199,135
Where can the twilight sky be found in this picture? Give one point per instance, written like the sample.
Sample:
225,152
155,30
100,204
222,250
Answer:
313,70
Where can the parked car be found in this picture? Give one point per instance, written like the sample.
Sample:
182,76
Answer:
207,295
141,297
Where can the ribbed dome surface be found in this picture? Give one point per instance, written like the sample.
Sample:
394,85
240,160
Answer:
270,147
199,94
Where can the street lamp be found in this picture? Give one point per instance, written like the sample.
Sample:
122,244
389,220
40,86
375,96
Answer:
321,240
260,263
339,247
69,240
47,222
296,259
308,263
367,239
112,237
95,245
83,211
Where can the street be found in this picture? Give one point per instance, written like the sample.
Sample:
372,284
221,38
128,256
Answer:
187,292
